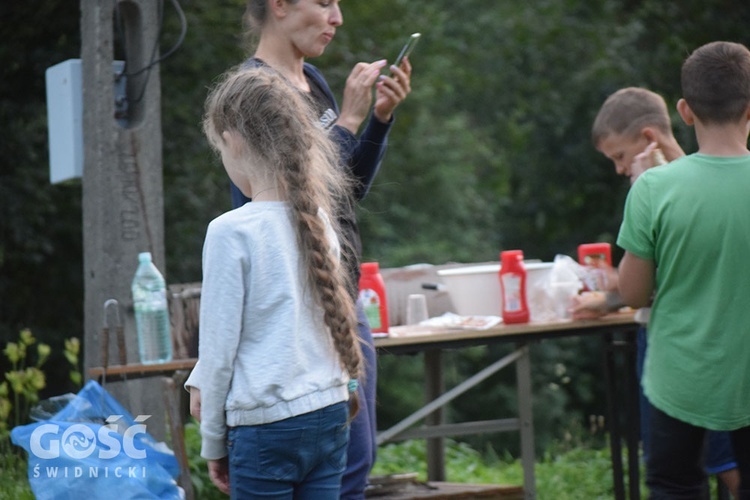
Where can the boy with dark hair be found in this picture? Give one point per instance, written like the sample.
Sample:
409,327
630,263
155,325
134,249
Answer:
686,235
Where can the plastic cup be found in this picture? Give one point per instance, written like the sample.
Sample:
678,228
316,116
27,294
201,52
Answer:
416,309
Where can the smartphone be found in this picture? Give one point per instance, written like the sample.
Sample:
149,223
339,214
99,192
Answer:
408,47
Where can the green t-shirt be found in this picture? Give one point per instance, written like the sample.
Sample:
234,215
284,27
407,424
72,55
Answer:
692,218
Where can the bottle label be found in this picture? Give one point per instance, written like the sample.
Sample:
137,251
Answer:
371,304
512,292
594,259
151,300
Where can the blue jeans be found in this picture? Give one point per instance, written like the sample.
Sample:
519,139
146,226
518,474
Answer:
298,458
718,455
362,447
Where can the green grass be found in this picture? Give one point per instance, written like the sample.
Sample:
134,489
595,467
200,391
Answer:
14,483
580,473
564,472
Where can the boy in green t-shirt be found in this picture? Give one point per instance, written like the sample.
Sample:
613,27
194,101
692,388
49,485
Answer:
633,129
686,235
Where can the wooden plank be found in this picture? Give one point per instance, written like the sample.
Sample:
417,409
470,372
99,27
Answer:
405,336
406,487
402,337
137,370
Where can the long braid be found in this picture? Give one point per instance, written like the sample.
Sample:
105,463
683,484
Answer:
281,132
324,271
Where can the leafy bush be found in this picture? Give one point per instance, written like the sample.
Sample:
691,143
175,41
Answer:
19,392
22,384
23,381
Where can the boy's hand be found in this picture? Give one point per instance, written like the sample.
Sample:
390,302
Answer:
648,158
606,277
589,305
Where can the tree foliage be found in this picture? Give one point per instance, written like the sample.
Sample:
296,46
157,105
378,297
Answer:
41,277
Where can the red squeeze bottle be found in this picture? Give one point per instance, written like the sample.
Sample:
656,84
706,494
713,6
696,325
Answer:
590,253
372,295
513,287
594,255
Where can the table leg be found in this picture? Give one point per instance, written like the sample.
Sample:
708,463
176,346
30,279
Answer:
523,380
633,415
434,387
629,390
613,414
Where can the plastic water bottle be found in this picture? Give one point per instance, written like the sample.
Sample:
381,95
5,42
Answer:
151,312
372,295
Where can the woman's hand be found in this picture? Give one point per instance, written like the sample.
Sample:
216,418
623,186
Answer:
358,94
218,471
391,90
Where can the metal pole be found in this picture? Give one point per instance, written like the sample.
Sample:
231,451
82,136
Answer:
433,389
525,414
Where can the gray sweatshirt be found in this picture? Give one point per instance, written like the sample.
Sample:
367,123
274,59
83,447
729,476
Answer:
265,352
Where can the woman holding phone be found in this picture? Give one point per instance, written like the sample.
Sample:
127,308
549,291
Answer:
286,33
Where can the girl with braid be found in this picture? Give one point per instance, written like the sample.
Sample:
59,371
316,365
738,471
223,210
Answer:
284,36
278,345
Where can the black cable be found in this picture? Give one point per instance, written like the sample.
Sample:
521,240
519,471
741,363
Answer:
151,64
178,43
154,60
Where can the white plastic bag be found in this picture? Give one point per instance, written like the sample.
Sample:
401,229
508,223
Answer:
564,284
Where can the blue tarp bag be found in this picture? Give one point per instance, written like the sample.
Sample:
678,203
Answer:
94,449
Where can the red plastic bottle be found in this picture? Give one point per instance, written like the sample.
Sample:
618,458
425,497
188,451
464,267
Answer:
372,295
594,255
513,287
590,253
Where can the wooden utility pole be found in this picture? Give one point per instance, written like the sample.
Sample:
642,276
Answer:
123,207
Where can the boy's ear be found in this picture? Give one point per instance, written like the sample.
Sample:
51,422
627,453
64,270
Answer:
685,112
650,133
